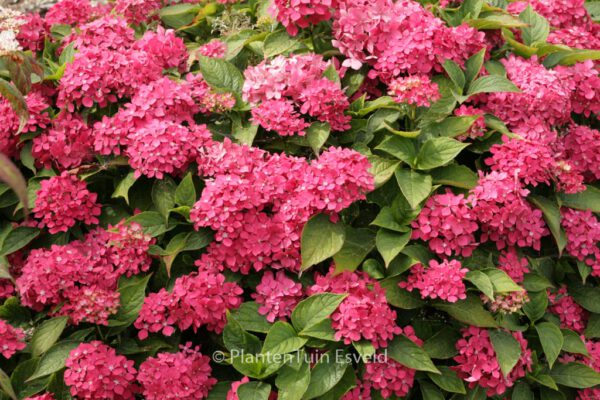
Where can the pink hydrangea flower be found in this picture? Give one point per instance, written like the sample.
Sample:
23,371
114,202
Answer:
478,365
544,93
582,148
199,299
277,295
417,90
514,265
447,224
572,315
138,11
95,371
11,339
6,288
45,396
69,12
390,377
364,313
90,304
583,82
164,147
296,14
504,215
576,36
441,280
67,144
33,32
183,375
583,235
560,13
214,48
327,102
279,116
109,32
164,48
62,201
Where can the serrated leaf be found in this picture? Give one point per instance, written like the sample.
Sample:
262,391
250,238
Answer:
469,311
575,375
390,244
407,353
507,349
436,152
282,339
314,309
551,339
415,186
185,194
47,334
492,84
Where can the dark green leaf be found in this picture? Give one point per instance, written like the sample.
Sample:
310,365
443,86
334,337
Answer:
321,239
314,309
18,238
390,244
185,194
133,293
54,360
448,380
438,151
47,334
551,339
407,353
414,186
575,375
469,311
281,339
326,373
357,244
507,349
492,84
552,216
254,391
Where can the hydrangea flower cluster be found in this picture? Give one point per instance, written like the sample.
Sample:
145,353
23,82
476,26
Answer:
447,224
364,313
441,280
187,371
277,295
199,299
286,91
95,371
478,364
62,201
583,234
11,339
415,90
572,315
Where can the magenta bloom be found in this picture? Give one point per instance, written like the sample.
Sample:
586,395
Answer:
11,339
62,201
95,371
183,375
583,235
572,315
277,295
417,90
441,280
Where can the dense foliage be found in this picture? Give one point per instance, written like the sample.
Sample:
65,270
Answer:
300,199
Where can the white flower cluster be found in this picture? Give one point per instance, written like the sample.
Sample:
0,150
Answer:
10,21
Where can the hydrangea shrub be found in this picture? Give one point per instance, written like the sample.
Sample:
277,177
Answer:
300,199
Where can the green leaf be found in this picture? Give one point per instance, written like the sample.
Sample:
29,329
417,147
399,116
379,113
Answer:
365,349
326,373
122,189
452,126
570,57
347,382
47,334
254,391
18,238
321,239
407,353
382,169
495,21
454,175
314,309
243,131
282,339
522,391
236,339
586,200
185,194
442,345
507,349
575,375
415,186
358,243
293,380
151,221
221,75
573,343
399,297
469,311
438,151
552,217
5,384
551,339
593,7
473,66
400,147
54,359
586,296
280,42
501,281
18,104
321,330
592,330
534,282
133,293
455,73
482,282
430,391
448,380
538,27
163,196
179,15
492,84
250,319
332,74
390,244
535,308
317,135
